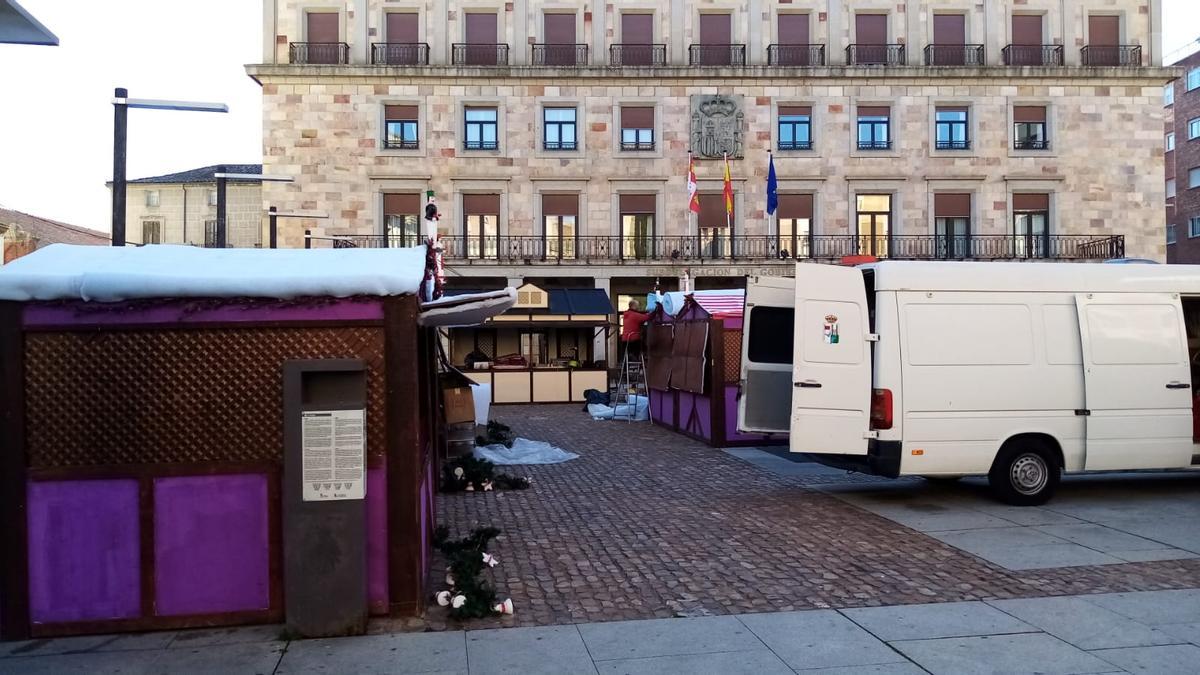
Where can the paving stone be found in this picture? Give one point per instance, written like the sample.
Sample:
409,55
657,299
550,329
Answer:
243,659
1182,632
1083,624
85,644
950,619
759,662
1164,660
551,650
400,653
905,668
108,663
226,636
818,639
647,523
667,637
1153,608
1026,653
1100,538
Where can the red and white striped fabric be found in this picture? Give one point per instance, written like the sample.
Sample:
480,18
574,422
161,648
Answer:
722,306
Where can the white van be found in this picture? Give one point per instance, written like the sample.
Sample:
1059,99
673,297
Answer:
1018,371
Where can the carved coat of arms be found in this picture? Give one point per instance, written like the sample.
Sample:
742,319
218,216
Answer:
717,126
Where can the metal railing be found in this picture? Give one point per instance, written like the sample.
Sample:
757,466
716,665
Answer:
333,53
795,145
953,55
874,145
1111,55
390,144
962,144
473,54
400,54
693,248
1031,144
717,55
875,55
571,56
637,146
630,54
795,55
559,145
1032,55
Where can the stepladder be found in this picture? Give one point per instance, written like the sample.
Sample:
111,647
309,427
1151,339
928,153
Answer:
631,383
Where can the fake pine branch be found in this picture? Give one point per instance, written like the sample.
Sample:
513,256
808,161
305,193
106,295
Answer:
471,595
468,474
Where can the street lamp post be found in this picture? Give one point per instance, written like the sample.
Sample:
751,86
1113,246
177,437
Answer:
121,105
222,177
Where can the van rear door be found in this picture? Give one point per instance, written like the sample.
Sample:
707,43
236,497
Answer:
765,403
831,374
1137,381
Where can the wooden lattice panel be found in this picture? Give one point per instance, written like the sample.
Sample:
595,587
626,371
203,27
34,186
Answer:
186,396
733,356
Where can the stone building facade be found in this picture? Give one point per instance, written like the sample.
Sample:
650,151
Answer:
921,129
1182,142
181,208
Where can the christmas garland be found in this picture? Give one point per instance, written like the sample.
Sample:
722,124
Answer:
470,595
468,474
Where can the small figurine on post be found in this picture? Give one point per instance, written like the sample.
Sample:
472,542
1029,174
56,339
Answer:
435,272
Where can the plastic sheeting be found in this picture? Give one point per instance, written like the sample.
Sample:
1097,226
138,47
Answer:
639,408
482,395
115,273
524,451
672,301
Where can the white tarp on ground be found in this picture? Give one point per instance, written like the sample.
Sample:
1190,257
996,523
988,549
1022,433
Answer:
524,451
639,407
114,273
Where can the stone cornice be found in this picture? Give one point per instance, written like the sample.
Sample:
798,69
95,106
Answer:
684,75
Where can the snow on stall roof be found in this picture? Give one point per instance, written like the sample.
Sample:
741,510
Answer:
115,273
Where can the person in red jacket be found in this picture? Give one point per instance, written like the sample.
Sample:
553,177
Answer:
631,330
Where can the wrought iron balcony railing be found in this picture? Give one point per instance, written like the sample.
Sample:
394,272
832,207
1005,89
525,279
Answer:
953,55
875,55
692,249
874,145
1031,144
473,54
961,144
334,53
1032,55
1111,55
570,56
630,54
400,54
795,145
637,146
398,144
795,55
717,55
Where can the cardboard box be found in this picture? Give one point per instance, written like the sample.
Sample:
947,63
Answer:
459,405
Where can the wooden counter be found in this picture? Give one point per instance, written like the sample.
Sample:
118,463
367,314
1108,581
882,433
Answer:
540,385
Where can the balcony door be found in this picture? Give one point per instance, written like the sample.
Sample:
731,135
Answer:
716,226
1031,225
402,220
403,37
874,221
793,40
949,40
559,35
323,37
870,38
1027,40
637,39
716,38
1104,39
481,226
637,226
480,35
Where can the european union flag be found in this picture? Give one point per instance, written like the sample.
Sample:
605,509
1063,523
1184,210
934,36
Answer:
772,188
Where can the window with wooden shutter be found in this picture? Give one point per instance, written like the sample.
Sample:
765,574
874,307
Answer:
637,128
401,124
795,127
1029,128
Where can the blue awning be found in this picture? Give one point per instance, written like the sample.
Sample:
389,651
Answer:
579,301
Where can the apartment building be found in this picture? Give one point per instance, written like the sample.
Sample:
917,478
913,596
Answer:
557,135
181,208
1181,141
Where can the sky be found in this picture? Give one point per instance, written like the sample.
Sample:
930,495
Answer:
56,102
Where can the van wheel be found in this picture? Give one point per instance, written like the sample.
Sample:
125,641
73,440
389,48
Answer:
1024,474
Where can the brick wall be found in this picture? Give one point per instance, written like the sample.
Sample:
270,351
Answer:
1186,156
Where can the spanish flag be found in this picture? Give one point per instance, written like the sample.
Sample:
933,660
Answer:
728,190
693,197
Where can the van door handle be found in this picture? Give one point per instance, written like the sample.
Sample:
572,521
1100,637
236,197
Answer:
809,383
1178,385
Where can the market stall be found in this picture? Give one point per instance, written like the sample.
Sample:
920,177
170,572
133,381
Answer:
541,350
160,404
693,363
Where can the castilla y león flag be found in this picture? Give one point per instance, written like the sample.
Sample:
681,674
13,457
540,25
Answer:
693,196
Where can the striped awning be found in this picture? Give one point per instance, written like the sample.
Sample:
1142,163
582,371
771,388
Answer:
724,305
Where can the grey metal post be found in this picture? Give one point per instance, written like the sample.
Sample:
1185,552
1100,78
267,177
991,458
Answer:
221,238
120,135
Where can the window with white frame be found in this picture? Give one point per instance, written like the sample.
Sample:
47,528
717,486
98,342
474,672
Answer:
1193,79
1170,188
1194,128
1170,234
1169,94
558,128
1170,141
1194,177
1194,227
152,198
212,197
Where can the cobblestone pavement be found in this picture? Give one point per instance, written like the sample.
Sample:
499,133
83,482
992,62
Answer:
648,523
